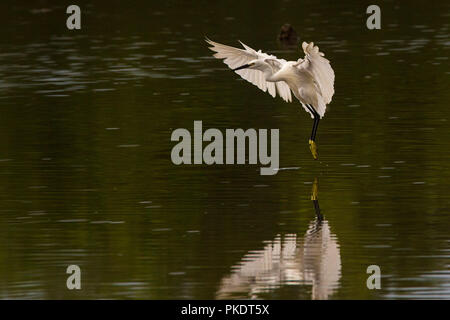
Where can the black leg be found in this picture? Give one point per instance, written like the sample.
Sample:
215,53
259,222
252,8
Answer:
312,143
315,199
317,210
311,109
316,122
314,129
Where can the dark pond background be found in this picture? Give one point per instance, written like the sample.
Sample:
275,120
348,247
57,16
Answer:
86,176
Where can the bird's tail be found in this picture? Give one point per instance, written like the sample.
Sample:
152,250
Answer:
321,106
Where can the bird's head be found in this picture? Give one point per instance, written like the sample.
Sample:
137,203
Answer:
254,64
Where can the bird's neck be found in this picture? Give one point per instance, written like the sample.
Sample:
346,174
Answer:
268,72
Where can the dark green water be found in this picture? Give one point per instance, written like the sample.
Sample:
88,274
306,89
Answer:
86,176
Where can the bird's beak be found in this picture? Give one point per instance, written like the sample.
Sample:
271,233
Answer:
242,67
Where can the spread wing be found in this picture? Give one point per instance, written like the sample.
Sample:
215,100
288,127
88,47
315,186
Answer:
235,57
320,69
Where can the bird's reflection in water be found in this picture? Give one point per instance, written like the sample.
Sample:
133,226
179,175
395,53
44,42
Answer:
291,259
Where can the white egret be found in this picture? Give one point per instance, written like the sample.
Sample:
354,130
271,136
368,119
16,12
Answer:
310,79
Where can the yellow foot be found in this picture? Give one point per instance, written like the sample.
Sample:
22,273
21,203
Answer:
313,148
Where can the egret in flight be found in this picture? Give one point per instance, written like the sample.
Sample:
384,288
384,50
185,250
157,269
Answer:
310,79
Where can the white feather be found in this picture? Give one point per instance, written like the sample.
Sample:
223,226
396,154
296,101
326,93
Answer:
311,79
235,57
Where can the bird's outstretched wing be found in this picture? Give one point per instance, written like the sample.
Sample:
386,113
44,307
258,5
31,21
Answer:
319,68
235,57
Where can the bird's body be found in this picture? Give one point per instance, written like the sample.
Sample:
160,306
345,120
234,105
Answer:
301,84
310,80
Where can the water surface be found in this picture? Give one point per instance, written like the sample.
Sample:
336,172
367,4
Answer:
86,176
